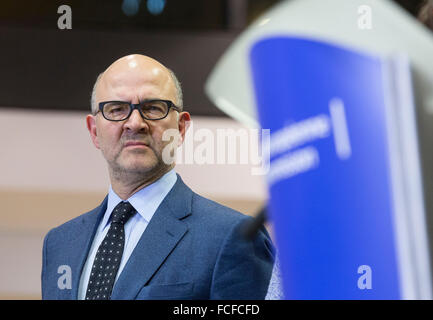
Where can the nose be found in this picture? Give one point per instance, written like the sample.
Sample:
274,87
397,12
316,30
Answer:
136,122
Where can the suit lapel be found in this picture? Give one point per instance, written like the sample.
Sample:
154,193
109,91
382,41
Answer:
160,238
81,241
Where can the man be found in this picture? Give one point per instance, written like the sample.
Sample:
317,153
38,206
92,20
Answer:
152,237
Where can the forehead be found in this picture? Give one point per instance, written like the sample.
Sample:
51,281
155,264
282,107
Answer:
131,80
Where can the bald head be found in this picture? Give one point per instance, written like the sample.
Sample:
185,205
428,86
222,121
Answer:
130,72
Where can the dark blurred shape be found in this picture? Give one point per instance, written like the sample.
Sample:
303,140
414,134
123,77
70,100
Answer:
257,7
425,15
412,6
251,228
56,69
110,14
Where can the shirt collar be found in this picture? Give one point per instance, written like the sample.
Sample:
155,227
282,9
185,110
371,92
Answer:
146,200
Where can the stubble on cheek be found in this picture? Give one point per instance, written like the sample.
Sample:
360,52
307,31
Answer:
126,162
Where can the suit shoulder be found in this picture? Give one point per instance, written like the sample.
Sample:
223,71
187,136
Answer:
75,222
215,212
222,220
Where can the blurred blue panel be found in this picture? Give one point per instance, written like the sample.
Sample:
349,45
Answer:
330,199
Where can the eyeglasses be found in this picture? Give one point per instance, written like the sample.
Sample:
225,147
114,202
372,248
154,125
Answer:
148,109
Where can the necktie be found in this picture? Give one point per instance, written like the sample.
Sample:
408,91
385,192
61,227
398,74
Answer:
109,254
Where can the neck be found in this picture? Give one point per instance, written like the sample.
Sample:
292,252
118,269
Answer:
125,184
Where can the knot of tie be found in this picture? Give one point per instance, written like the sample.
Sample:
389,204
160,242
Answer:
122,212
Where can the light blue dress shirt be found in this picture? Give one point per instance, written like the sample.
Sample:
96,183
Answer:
145,202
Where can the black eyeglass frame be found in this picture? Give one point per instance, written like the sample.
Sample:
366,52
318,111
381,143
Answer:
133,106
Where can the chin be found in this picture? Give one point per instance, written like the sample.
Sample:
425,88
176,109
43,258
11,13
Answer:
139,164
141,167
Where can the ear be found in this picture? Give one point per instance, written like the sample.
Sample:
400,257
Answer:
91,126
183,125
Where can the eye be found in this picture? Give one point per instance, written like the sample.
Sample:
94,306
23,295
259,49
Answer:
116,105
155,108
116,109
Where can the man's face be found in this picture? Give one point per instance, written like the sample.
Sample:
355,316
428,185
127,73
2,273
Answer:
135,145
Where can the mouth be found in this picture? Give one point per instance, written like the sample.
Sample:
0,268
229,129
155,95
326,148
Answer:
135,144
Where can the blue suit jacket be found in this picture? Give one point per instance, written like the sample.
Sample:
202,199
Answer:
191,249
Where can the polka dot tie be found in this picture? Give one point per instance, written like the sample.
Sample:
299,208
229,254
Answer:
109,254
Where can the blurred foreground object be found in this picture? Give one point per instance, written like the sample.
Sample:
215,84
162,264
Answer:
341,95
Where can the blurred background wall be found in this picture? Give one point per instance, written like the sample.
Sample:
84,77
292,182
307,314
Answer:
50,171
